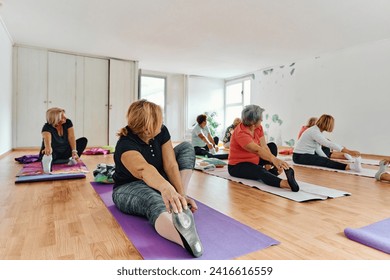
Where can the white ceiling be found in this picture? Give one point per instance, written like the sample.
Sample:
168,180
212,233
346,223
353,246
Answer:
215,38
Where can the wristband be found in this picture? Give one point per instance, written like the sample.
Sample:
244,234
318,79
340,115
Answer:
74,151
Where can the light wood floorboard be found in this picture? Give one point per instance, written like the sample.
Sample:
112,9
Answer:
67,219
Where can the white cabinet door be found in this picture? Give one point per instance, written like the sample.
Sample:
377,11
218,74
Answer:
123,88
96,101
31,96
62,83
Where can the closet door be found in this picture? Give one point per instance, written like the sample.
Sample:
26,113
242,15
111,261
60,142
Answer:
123,89
62,83
95,107
31,96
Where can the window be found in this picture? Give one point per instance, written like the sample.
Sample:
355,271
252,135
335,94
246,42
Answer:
237,95
153,89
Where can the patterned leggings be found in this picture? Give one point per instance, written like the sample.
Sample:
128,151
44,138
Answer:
137,198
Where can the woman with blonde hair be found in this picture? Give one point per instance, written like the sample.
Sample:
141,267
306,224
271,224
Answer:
151,177
59,144
308,150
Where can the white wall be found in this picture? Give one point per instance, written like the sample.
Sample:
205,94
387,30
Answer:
5,90
352,84
205,95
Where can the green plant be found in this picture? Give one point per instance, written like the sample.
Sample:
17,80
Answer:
268,121
212,122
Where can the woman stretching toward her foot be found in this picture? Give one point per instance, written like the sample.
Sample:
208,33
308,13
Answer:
251,158
308,150
382,175
151,177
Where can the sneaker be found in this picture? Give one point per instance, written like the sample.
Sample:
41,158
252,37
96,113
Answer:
356,165
46,163
185,226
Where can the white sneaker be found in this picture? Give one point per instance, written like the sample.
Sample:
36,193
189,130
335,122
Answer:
46,163
357,165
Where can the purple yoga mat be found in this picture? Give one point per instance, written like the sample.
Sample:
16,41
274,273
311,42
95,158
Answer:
376,235
222,237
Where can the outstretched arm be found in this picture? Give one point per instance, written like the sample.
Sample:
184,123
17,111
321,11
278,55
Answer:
142,170
47,143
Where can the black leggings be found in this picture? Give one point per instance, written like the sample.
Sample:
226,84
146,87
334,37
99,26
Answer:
316,160
63,157
204,151
248,170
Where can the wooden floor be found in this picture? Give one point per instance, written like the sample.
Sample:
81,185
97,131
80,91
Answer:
67,219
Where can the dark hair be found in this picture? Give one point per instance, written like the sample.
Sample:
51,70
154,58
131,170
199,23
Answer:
201,118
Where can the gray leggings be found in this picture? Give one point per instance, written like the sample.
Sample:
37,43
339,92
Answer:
137,198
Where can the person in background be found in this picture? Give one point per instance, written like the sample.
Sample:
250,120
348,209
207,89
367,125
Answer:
329,153
308,150
59,144
203,142
382,175
310,123
151,177
229,131
251,157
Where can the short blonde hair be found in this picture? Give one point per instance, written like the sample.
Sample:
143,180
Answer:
143,118
54,115
325,123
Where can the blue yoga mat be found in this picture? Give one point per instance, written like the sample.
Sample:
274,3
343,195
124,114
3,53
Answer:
222,237
376,235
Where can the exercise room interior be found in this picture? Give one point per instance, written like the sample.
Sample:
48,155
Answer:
294,60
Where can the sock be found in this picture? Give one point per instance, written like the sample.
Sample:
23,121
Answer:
46,163
356,165
348,156
291,179
382,169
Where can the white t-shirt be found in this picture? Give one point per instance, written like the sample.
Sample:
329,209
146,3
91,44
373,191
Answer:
312,140
196,141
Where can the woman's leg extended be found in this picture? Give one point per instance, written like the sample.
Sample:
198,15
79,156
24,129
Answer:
139,199
316,160
252,171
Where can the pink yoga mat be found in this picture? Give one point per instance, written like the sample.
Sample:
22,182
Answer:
222,237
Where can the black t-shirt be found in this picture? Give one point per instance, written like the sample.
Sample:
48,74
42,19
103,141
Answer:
151,152
59,144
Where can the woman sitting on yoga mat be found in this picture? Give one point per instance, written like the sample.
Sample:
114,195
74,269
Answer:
382,175
151,177
202,140
251,158
329,153
308,150
59,144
